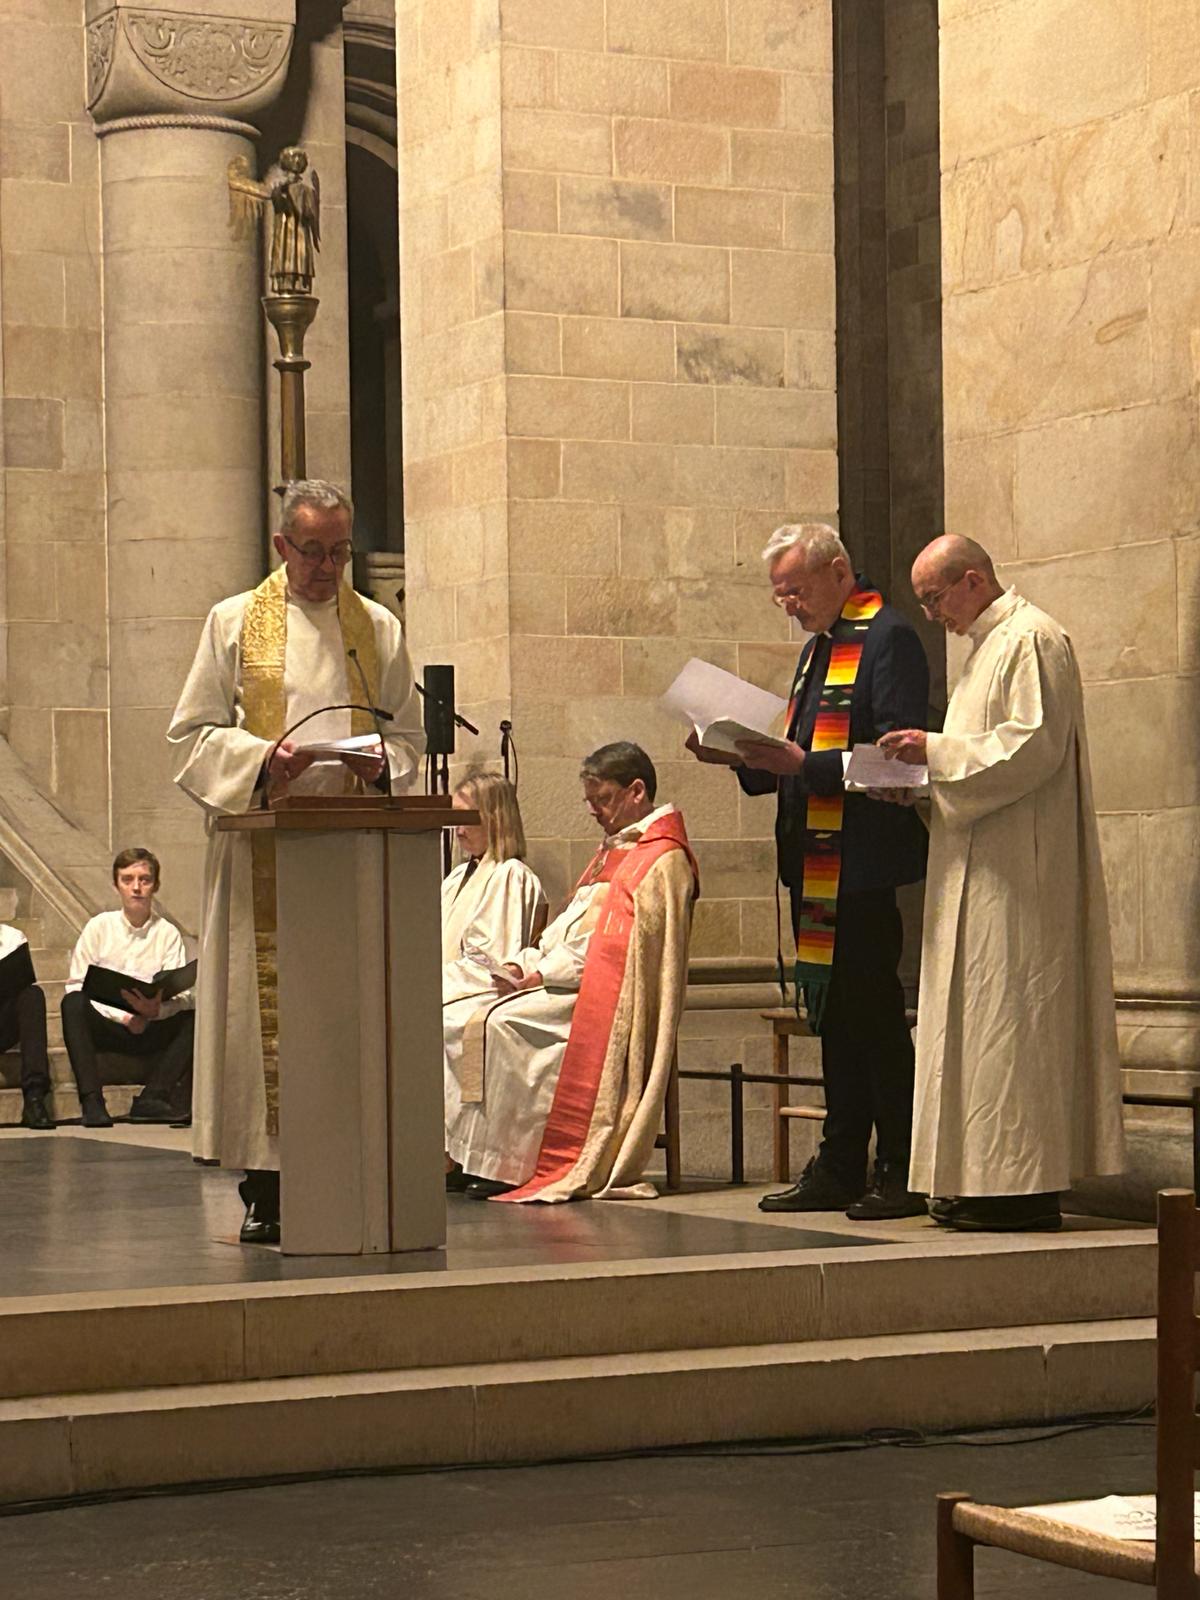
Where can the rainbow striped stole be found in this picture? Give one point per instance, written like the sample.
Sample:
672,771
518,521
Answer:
823,821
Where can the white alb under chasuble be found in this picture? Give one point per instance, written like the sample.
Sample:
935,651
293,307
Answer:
264,660
1018,1086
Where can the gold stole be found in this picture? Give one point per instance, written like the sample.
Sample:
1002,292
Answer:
263,657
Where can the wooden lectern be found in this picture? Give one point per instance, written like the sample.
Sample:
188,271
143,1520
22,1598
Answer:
361,1119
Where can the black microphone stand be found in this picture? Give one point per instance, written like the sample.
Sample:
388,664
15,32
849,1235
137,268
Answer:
366,688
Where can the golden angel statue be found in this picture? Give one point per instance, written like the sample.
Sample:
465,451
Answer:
295,200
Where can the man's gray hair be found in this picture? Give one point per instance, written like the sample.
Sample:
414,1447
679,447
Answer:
820,543
318,493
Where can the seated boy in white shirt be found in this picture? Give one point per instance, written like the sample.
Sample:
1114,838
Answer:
137,941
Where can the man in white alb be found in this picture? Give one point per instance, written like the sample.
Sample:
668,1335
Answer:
302,641
140,943
1018,1079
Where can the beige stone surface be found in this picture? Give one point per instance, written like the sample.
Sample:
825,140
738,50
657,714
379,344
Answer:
618,348
1121,475
687,283
1033,349
671,152
1117,606
1006,69
687,29
1067,198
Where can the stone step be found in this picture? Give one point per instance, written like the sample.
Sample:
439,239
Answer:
412,1321
69,1444
63,1103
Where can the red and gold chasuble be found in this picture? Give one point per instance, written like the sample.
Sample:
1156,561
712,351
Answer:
570,1118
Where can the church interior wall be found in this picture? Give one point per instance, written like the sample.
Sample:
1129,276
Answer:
664,371
52,510
1071,217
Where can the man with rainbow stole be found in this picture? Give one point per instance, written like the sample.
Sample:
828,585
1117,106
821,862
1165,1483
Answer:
301,642
842,857
562,1073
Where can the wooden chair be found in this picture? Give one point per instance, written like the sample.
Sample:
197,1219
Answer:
1168,1566
785,1026
668,1140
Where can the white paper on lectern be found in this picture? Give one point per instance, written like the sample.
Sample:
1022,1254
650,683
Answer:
1116,1516
334,749
723,708
870,768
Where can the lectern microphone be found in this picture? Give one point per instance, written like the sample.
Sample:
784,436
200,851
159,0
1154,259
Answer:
386,774
377,712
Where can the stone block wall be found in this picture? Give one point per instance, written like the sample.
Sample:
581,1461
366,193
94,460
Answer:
52,499
1071,273
641,319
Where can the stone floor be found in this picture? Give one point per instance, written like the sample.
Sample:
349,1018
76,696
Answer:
696,1526
121,1211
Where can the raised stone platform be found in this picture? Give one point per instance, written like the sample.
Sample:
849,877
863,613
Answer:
138,1346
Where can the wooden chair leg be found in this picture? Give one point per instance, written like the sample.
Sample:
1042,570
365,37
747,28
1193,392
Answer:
671,1118
779,1065
955,1553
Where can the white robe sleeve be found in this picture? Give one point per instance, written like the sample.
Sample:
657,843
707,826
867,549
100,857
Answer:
974,774
560,953
501,924
220,764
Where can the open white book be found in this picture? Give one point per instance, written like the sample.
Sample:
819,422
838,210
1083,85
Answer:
334,749
723,708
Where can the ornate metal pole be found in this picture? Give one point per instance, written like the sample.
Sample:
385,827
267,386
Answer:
291,316
293,191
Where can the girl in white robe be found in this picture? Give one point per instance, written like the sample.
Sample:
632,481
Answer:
493,906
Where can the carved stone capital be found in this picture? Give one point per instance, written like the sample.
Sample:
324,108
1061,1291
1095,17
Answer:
185,61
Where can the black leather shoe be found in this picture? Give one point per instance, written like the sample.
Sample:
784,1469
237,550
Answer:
940,1207
485,1188
35,1115
457,1181
888,1197
816,1191
259,1226
95,1112
1009,1213
148,1109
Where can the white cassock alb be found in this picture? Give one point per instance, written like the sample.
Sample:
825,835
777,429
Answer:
1018,1085
495,908
264,660
498,1133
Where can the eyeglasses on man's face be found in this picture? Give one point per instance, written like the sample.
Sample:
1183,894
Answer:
799,592
930,602
315,553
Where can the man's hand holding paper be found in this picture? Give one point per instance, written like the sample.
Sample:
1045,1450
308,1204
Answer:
726,714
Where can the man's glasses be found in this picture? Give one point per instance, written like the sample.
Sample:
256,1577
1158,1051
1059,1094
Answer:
930,602
315,553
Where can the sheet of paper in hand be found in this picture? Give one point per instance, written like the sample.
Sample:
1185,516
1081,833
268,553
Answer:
105,985
366,744
16,972
869,768
724,709
480,958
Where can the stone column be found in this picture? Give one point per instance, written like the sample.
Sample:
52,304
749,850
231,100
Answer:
169,92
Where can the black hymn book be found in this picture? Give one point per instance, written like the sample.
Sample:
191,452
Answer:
105,985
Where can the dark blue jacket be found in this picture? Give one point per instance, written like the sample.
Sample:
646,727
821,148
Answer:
883,845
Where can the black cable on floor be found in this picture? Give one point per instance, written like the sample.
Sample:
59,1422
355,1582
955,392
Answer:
872,1439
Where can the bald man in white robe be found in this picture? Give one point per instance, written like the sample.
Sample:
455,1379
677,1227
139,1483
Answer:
1018,1088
